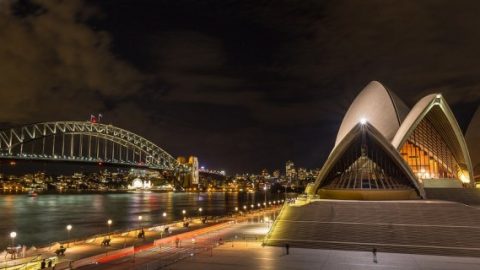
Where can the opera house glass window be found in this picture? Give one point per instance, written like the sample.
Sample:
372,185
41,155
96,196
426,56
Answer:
428,154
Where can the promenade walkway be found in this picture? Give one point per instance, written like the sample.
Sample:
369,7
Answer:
241,248
126,244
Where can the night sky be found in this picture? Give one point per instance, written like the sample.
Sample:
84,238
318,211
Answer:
243,85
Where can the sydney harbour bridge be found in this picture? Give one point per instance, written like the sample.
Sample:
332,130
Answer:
85,142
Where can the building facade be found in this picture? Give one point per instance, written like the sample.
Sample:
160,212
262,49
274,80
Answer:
384,150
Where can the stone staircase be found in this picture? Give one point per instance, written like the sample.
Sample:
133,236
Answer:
470,196
421,227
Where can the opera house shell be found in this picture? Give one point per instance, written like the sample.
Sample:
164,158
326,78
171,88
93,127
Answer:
473,141
386,151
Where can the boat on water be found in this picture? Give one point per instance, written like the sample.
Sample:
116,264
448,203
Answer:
139,191
32,193
163,188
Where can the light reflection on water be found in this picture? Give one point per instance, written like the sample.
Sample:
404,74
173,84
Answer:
42,220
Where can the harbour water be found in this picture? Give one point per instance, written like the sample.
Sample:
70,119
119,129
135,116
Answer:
42,220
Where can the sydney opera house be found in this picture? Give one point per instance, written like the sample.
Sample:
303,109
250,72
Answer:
385,150
399,179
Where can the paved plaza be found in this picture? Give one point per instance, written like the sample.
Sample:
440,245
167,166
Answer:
254,256
242,249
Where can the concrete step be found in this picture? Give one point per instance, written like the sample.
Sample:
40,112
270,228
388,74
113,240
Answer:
429,227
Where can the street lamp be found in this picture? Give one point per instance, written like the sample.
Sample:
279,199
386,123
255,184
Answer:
265,192
140,222
109,223
164,215
12,236
69,228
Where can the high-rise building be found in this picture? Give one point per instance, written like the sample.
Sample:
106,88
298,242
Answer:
290,171
302,174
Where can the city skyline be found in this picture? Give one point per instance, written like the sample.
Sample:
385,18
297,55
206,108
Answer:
239,134
197,87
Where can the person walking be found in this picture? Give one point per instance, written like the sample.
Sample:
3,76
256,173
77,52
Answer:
50,264
42,265
374,253
287,248
177,241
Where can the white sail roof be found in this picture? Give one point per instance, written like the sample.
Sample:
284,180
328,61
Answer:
473,142
379,107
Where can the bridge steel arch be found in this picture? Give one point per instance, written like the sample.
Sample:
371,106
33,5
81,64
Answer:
83,141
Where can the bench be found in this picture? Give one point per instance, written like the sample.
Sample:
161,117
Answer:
106,242
60,251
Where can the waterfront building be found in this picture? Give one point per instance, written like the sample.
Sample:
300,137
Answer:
139,184
290,171
265,173
397,179
388,151
302,174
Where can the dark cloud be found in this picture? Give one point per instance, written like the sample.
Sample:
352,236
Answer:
242,84
413,47
51,62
